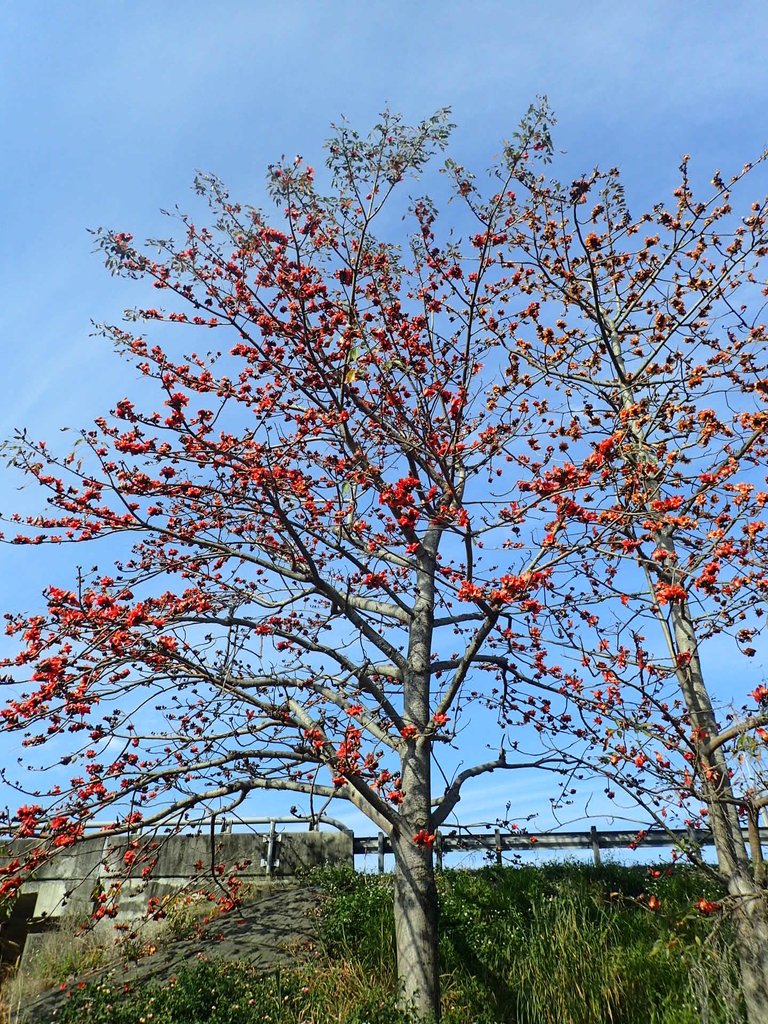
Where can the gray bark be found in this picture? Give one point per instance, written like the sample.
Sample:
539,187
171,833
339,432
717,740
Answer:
415,892
755,846
747,897
750,919
416,927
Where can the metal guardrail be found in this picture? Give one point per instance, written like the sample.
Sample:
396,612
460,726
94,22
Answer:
499,842
226,824
270,859
460,839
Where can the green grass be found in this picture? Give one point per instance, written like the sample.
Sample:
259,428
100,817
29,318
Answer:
566,944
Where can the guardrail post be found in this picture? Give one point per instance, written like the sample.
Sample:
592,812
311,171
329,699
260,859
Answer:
380,849
594,837
693,841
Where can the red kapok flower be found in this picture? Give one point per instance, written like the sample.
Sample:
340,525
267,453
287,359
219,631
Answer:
707,906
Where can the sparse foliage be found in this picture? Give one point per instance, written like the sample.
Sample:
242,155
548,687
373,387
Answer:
403,485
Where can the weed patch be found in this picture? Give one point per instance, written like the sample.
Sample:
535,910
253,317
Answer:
566,944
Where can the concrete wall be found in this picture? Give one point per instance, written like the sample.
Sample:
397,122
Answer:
72,881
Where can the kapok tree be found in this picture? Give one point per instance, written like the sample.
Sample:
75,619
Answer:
316,529
651,332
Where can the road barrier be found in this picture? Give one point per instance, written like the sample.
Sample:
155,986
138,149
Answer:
497,842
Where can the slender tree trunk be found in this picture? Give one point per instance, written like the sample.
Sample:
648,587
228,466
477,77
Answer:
750,919
748,906
416,927
750,909
755,846
415,891
416,909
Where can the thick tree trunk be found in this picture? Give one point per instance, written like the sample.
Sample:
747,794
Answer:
416,927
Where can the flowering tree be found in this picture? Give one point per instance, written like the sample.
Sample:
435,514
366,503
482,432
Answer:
650,331
409,486
322,538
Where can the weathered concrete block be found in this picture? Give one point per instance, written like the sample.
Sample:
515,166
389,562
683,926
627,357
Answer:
74,862
70,883
299,851
63,884
182,858
62,898
32,949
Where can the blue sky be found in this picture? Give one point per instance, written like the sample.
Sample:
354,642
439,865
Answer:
108,108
